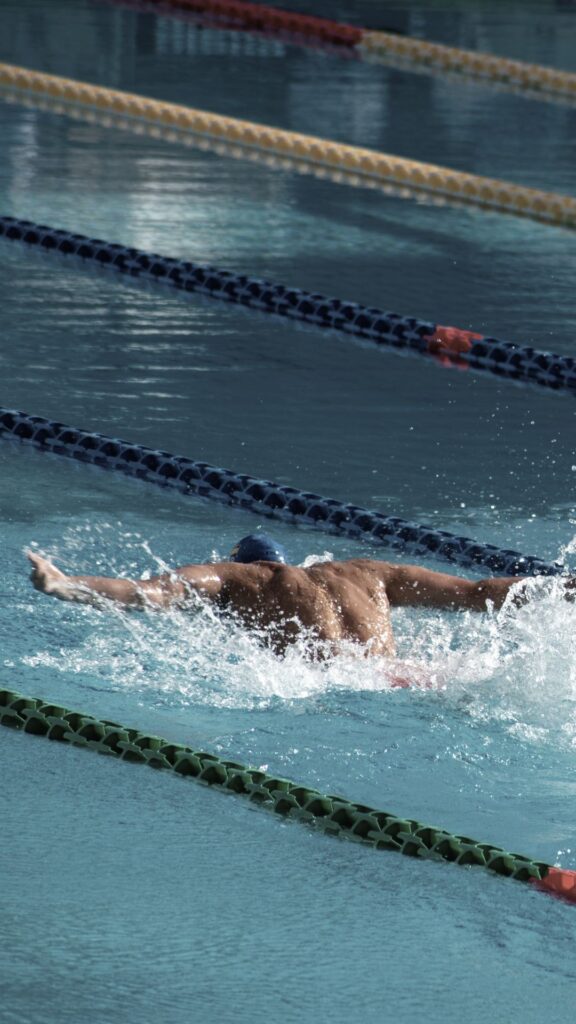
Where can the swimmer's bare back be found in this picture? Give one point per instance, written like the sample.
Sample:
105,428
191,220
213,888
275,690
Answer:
331,603
335,603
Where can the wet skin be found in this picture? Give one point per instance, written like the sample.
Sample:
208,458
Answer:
335,603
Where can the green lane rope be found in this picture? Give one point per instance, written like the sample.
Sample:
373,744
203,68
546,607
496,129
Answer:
334,815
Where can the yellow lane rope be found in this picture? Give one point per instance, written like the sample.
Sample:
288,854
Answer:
108,119
437,56
473,189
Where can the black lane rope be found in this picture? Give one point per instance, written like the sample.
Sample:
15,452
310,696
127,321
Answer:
264,497
451,345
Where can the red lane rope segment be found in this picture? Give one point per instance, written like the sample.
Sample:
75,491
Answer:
386,46
254,16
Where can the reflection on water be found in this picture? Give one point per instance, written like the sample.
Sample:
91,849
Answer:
123,882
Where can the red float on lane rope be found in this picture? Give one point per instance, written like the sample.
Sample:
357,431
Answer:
558,882
451,341
448,345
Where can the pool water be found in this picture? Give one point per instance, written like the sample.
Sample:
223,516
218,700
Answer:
130,892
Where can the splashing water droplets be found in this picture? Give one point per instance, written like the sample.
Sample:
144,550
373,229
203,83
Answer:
515,666
569,548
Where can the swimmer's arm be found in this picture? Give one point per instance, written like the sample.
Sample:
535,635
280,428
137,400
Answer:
165,591
411,585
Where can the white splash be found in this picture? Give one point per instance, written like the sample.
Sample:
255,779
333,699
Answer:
516,666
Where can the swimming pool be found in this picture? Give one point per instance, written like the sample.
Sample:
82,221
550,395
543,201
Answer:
128,891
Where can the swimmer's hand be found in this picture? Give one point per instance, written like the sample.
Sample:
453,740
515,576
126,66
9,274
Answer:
47,578
158,592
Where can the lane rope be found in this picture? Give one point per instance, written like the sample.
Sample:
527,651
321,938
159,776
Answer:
305,28
227,28
110,119
264,497
387,47
331,814
450,346
486,193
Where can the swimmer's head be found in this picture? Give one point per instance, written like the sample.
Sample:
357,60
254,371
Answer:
258,547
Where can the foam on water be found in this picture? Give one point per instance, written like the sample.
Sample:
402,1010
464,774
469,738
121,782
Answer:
516,666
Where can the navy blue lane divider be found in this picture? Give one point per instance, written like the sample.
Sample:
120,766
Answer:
264,497
401,332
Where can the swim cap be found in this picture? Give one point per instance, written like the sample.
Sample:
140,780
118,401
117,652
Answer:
258,547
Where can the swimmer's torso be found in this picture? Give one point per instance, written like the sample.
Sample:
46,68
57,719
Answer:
332,603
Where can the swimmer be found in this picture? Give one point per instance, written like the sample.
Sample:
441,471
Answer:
339,605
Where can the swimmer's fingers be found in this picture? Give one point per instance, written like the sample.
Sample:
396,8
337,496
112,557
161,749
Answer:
36,562
44,576
40,566
32,556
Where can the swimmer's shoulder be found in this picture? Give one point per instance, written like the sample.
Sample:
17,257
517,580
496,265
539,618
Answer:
353,567
258,573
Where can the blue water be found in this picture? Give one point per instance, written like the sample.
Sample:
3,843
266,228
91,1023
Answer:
127,892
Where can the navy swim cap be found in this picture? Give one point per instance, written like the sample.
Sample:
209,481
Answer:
258,547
